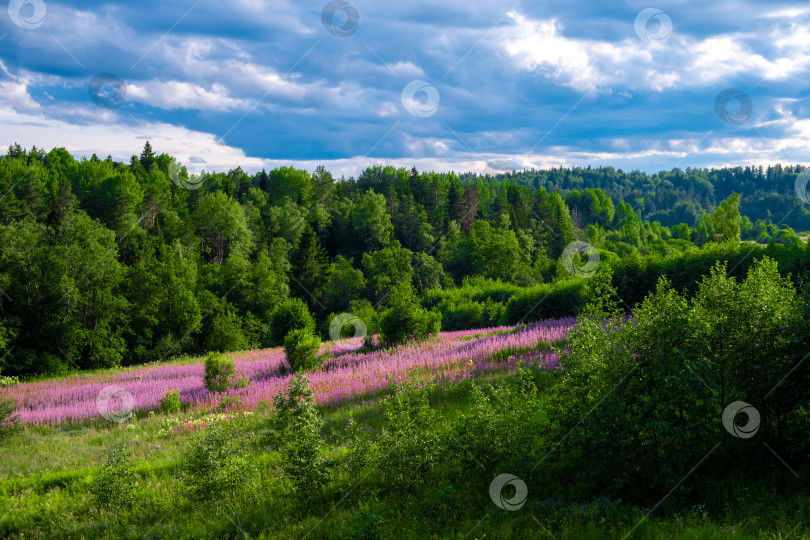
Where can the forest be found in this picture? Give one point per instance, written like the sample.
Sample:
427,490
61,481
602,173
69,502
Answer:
403,354
106,263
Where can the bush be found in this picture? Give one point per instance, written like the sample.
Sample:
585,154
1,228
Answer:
291,314
217,464
297,427
410,444
114,485
218,373
406,320
9,419
547,301
170,403
689,359
8,381
301,349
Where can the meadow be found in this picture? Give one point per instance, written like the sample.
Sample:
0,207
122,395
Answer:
507,432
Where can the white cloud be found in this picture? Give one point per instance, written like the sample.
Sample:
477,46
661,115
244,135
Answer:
582,64
199,150
182,95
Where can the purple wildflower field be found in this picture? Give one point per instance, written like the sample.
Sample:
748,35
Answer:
346,374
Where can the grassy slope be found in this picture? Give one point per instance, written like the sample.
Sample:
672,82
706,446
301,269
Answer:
45,478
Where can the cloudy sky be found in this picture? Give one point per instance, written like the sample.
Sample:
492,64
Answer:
454,85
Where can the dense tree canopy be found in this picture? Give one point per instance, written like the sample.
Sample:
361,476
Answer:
105,263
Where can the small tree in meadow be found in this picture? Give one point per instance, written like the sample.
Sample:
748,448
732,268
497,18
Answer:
297,426
301,349
218,373
218,463
114,484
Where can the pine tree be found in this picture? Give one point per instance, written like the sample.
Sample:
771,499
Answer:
309,266
147,157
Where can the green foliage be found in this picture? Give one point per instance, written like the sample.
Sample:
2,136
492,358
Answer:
9,419
406,320
297,432
219,372
310,262
113,486
301,347
669,372
503,424
387,269
494,253
291,314
725,223
344,283
548,301
170,402
105,264
218,464
222,225
409,447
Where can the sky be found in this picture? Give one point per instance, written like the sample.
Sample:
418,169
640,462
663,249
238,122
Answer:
481,86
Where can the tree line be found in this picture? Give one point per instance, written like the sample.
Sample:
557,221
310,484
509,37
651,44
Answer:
106,263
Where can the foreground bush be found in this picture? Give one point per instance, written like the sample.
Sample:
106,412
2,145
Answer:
291,314
297,433
170,402
218,463
301,349
219,371
644,396
114,485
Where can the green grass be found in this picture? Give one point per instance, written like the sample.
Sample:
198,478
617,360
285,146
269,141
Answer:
46,476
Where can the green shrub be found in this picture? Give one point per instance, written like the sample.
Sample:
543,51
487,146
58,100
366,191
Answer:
669,372
218,463
291,314
170,403
114,485
301,349
9,419
297,432
547,301
406,320
218,373
8,381
410,445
